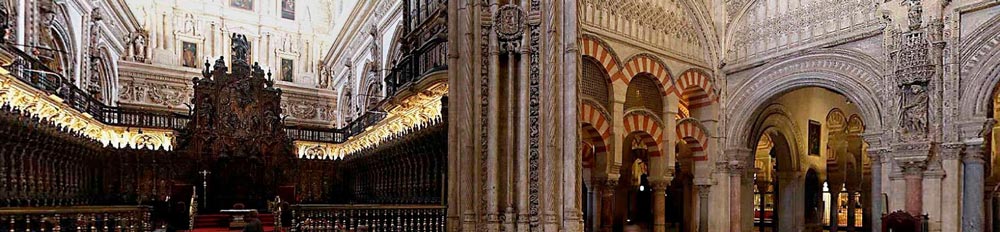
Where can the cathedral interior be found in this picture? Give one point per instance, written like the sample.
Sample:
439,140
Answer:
500,115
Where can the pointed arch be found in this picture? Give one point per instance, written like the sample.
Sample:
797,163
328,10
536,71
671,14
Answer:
695,87
693,133
641,121
647,63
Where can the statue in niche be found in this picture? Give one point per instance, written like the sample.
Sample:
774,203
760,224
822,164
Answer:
913,113
139,47
914,13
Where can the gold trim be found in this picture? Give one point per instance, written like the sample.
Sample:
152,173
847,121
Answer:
34,102
412,112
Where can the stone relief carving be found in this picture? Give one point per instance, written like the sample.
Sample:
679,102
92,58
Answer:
914,110
762,31
912,66
667,25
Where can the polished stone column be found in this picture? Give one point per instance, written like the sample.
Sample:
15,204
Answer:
659,205
913,175
735,178
876,191
851,203
703,191
608,203
834,205
972,191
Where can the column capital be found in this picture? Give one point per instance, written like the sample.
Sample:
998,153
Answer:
878,155
703,190
951,151
659,185
913,167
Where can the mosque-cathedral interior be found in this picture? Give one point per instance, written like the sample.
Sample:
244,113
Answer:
500,115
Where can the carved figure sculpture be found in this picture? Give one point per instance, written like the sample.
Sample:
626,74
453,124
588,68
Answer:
914,110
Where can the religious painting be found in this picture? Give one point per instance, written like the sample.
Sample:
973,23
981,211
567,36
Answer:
288,9
286,70
189,55
242,4
815,129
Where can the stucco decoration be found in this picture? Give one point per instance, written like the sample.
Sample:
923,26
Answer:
980,70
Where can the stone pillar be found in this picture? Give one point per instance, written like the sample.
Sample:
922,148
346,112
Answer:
913,175
951,154
735,179
834,206
851,207
703,191
659,204
608,203
876,192
972,191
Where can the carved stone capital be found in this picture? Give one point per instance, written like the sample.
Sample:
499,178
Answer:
913,167
974,152
878,154
951,151
659,185
703,190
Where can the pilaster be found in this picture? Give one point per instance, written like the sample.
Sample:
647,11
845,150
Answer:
951,189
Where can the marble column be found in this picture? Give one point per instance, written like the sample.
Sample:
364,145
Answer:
659,204
876,191
703,191
735,178
913,175
972,188
851,203
834,206
608,203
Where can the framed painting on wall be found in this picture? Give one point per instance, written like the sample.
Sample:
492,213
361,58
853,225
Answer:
189,55
815,130
286,70
288,9
242,4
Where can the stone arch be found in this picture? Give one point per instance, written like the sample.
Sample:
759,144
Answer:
594,87
595,138
649,64
105,77
855,125
643,121
693,133
596,48
695,88
836,121
774,120
980,70
852,74
597,118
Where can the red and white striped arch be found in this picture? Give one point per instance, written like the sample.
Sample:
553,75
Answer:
645,63
652,135
595,48
696,89
595,117
691,132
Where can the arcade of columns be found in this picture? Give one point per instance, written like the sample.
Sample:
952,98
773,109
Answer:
532,132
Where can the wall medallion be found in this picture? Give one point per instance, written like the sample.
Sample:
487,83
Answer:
510,22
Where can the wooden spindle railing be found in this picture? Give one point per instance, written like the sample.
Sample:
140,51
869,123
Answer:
308,218
76,218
